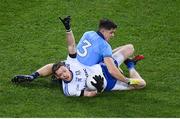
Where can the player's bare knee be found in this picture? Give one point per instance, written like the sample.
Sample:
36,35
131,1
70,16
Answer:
130,48
142,84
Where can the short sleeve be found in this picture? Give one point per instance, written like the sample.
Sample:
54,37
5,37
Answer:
71,90
70,60
106,50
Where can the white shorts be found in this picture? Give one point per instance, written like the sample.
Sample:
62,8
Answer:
121,86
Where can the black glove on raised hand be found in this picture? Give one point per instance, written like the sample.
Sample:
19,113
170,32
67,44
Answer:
22,78
99,83
66,22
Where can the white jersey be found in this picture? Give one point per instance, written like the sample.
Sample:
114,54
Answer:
80,73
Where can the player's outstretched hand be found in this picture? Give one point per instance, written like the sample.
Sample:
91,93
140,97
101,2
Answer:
66,21
99,83
22,78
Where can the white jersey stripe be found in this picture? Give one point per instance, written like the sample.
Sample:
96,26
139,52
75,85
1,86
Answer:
66,90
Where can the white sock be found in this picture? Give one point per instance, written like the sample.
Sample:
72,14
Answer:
119,58
132,69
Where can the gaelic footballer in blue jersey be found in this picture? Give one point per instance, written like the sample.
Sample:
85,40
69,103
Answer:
74,74
93,48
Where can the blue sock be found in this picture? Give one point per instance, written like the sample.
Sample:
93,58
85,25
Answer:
35,75
130,65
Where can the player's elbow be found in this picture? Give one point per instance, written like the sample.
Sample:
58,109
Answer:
50,65
90,93
130,49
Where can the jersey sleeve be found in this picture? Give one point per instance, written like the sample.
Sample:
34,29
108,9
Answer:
71,90
70,59
73,93
106,50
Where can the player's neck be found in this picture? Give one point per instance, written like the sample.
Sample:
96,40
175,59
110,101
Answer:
104,34
100,33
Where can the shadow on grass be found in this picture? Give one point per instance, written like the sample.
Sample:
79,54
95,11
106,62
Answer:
38,84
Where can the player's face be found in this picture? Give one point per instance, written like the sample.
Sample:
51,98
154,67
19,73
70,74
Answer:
63,73
109,34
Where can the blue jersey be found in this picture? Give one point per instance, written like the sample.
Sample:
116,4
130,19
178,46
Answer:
92,48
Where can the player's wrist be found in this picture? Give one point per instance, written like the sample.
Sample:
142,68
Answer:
67,27
68,31
127,80
34,75
66,22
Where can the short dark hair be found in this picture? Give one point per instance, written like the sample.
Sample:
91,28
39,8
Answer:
107,24
57,66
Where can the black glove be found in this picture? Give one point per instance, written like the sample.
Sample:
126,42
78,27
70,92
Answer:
66,22
22,78
99,83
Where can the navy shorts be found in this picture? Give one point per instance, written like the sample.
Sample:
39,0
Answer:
111,81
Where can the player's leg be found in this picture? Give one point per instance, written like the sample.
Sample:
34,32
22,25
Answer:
121,86
116,49
42,72
122,53
134,75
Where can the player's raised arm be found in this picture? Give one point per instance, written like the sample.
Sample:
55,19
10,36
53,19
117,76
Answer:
69,35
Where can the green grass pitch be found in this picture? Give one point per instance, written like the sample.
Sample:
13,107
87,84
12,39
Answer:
32,36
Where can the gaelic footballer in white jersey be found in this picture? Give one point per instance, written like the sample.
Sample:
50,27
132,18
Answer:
80,73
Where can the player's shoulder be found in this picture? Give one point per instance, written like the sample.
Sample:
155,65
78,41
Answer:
70,60
94,37
89,33
73,62
103,43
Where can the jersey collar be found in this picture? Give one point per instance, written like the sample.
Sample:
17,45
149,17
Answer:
100,34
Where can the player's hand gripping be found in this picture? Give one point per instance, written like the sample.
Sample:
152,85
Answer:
22,78
133,81
66,22
99,83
